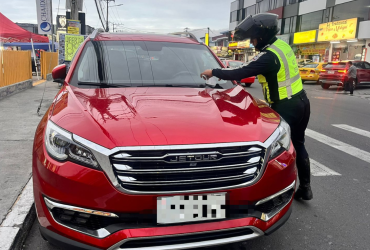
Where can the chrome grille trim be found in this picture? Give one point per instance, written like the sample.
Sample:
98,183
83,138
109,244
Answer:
126,169
183,182
103,154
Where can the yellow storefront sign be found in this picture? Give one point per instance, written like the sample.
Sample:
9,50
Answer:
72,42
305,37
313,49
340,30
244,44
233,45
73,30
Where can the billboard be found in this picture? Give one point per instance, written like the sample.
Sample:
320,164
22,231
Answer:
44,18
305,37
339,30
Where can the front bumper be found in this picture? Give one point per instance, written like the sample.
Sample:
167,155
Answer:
230,237
70,183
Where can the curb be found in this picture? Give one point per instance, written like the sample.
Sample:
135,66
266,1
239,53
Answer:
19,220
15,88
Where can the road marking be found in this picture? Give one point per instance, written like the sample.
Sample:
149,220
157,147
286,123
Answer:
353,129
344,147
38,82
317,169
15,218
323,98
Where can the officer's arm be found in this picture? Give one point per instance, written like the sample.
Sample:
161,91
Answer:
262,63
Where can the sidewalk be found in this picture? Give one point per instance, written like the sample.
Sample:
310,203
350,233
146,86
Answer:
18,122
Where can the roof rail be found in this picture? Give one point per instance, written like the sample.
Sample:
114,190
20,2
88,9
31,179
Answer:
190,35
95,33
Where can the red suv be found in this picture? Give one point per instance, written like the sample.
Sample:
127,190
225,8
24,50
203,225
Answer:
335,73
137,151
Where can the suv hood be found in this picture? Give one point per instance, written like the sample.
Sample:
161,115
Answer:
142,116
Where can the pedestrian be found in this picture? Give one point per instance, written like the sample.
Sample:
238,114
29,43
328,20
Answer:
277,71
352,76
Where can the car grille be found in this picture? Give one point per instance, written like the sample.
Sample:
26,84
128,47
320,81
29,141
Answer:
184,170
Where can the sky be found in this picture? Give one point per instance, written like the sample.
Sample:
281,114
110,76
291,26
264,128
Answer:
160,16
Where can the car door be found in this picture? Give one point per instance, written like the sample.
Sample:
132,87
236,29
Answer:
361,72
367,70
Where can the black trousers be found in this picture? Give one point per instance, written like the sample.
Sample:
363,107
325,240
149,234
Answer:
296,112
350,84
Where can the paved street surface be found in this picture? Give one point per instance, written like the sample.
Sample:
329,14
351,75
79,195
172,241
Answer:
338,141
18,121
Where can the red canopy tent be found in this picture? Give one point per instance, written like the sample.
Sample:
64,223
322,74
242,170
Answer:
11,32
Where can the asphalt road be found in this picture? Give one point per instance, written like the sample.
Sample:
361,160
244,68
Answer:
338,216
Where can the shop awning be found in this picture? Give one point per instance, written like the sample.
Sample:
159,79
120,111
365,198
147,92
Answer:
11,32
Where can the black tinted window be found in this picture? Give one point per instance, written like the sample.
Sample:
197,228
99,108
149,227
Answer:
367,65
310,65
139,63
335,66
235,64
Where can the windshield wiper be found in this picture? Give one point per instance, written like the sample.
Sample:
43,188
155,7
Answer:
104,85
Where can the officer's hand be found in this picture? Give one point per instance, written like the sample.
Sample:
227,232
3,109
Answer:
207,73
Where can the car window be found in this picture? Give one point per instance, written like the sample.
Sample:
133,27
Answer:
139,63
313,65
335,66
235,64
359,65
367,65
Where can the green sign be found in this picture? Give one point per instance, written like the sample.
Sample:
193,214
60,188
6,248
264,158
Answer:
72,42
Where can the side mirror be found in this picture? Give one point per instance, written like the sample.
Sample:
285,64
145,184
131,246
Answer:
59,73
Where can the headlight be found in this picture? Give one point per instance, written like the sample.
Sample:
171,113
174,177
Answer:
282,142
61,147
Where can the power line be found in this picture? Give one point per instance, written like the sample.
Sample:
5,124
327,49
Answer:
97,8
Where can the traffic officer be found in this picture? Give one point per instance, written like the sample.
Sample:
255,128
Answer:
277,71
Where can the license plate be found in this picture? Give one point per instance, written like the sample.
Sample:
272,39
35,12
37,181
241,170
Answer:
330,71
303,71
189,208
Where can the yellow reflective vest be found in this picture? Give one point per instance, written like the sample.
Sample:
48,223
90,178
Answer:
289,80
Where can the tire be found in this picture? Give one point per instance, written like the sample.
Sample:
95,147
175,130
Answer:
303,81
248,85
325,86
317,82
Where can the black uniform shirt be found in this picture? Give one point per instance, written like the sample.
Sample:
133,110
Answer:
265,63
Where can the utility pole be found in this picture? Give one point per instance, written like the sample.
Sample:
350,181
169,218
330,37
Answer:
107,23
116,24
74,9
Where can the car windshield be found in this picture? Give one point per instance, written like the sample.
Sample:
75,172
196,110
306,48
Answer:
142,63
335,66
313,65
235,64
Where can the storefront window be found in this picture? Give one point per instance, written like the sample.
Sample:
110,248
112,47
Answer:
274,4
250,10
328,14
263,6
311,21
290,24
233,16
352,9
279,26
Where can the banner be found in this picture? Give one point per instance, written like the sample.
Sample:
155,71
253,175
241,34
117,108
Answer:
206,40
305,37
340,30
73,27
71,45
314,49
61,23
44,18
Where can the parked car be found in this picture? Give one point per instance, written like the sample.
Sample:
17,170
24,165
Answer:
136,153
335,73
236,64
302,62
311,71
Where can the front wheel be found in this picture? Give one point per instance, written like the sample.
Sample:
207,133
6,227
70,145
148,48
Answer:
325,86
248,85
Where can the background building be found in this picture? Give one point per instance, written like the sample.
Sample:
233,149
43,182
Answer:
304,25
